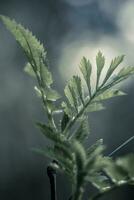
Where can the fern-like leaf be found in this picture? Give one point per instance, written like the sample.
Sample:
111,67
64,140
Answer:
100,61
86,69
83,130
50,134
114,64
109,94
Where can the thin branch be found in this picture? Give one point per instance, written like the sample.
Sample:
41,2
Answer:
121,146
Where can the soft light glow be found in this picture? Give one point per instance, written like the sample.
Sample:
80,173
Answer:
73,53
126,22
78,2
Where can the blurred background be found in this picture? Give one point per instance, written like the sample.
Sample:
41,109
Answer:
69,29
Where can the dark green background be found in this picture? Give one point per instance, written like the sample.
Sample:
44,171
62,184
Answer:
23,173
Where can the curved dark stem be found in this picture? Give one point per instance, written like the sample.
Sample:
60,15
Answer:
51,172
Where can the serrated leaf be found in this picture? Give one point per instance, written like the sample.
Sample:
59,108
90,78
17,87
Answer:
100,61
127,163
78,88
33,49
117,174
101,182
71,94
51,95
114,64
83,130
64,121
95,164
86,69
94,152
80,155
109,94
47,151
50,134
46,76
63,162
95,107
67,109
64,149
95,161
25,38
29,70
95,146
123,74
126,71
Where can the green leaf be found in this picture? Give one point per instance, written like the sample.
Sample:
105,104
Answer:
126,71
100,61
63,162
123,74
47,152
95,161
29,70
114,64
101,182
78,88
50,134
64,149
64,121
46,76
117,174
109,94
93,107
70,92
25,38
95,146
33,49
80,155
38,92
53,108
95,164
127,163
83,130
67,109
86,69
51,95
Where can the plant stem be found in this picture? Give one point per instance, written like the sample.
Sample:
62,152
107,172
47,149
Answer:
72,122
51,172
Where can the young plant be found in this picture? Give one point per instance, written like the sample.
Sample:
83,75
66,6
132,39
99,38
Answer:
68,152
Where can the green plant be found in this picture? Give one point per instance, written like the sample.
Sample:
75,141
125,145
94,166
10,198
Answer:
68,152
